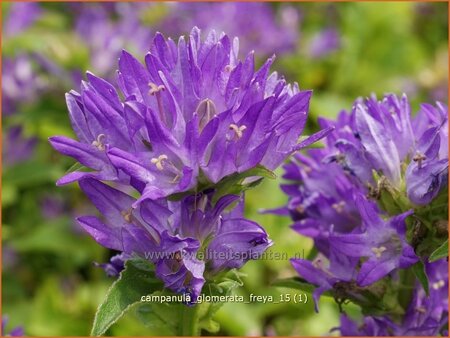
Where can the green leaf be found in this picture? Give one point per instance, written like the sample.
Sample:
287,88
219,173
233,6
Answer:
419,271
135,281
77,167
235,184
298,283
440,252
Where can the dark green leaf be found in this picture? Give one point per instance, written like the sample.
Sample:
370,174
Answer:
440,252
298,283
419,271
135,281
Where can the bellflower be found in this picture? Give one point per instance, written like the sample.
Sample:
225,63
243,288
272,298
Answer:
173,235
382,244
425,315
193,113
320,198
427,173
387,140
338,275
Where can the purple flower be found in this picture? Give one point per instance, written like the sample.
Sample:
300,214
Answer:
20,83
107,37
16,147
170,234
339,273
427,173
324,42
371,327
115,265
427,315
321,198
21,15
194,109
383,244
16,332
381,136
424,316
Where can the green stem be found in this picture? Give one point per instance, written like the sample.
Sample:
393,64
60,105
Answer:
189,325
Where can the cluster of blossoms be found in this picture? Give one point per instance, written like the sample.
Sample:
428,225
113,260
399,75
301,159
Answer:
196,124
374,200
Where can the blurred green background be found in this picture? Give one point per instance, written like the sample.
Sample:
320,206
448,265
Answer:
49,283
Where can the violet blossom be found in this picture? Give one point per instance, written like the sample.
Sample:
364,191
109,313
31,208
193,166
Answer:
425,315
170,234
194,108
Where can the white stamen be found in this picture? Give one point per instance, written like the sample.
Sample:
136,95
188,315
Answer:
159,161
339,207
99,143
437,285
155,89
238,130
379,251
127,215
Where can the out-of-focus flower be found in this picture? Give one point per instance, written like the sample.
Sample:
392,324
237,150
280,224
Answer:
265,33
195,108
107,36
324,42
172,234
17,148
20,83
15,332
21,15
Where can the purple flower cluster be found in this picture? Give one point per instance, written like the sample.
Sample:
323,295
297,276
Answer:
365,200
193,117
381,137
425,315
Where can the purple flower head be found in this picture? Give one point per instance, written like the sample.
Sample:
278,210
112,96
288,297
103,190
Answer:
170,234
194,110
427,173
320,198
266,33
16,332
381,136
382,244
